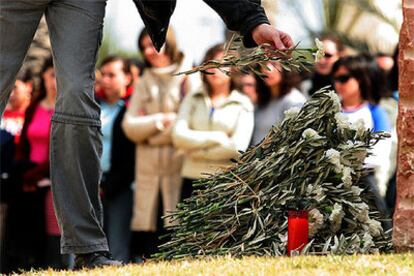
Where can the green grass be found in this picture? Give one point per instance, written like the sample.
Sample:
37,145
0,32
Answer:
392,264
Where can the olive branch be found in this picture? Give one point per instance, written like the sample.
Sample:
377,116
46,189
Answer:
238,58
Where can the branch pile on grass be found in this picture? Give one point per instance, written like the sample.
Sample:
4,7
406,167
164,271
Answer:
312,161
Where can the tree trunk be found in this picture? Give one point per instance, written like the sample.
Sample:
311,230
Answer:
403,234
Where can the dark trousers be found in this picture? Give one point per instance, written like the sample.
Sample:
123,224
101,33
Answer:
117,224
380,201
187,188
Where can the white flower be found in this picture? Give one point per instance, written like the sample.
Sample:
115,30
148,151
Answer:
368,242
309,189
350,144
309,133
334,158
283,238
320,52
336,217
359,127
319,194
355,243
346,146
292,112
336,101
374,228
342,121
356,190
362,212
347,177
315,222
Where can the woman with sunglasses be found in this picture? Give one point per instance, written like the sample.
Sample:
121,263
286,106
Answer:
354,83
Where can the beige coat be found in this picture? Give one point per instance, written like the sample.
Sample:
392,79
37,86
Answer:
158,164
210,137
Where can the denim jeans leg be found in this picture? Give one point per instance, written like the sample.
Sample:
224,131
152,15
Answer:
18,23
75,28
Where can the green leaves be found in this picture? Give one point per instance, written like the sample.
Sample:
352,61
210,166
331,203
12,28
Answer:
238,58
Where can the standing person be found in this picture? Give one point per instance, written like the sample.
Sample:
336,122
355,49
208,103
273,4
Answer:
213,125
10,128
118,157
354,85
384,98
148,123
31,207
276,93
75,135
75,169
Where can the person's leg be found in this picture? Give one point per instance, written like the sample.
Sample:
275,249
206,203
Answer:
75,28
187,188
18,23
53,259
379,200
119,213
136,246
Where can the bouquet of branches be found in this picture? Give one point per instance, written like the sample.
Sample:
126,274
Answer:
239,58
312,161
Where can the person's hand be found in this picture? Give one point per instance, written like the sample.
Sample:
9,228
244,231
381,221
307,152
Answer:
169,119
265,33
45,182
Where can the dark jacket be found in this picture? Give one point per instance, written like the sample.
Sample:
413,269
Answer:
239,15
121,173
6,161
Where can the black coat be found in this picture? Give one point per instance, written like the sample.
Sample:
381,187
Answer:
121,173
239,15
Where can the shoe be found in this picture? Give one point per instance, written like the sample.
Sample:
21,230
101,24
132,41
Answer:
137,260
94,260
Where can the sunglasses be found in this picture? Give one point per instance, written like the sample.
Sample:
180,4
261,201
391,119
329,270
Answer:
327,55
342,79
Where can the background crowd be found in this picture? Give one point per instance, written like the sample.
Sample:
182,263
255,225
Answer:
161,133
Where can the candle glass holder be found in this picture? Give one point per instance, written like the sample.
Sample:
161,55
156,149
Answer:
298,231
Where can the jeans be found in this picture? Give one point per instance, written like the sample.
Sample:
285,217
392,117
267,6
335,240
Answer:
75,28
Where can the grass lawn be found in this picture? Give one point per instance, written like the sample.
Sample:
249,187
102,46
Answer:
392,264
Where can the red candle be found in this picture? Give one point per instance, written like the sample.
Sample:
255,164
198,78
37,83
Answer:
298,230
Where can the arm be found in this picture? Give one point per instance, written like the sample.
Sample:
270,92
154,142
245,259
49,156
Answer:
137,126
188,139
239,141
380,118
162,138
249,18
32,176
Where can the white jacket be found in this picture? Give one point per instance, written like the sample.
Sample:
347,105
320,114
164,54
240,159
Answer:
210,137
